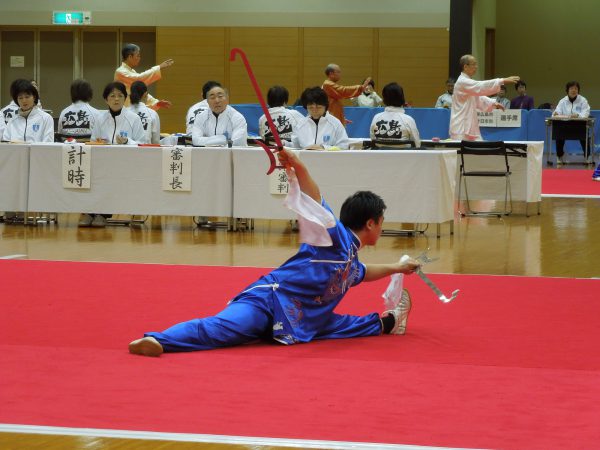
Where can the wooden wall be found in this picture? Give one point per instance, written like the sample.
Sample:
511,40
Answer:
417,58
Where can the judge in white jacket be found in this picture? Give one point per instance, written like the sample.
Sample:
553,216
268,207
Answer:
284,119
572,106
319,130
392,127
117,125
79,119
470,96
7,113
148,117
220,125
197,108
30,124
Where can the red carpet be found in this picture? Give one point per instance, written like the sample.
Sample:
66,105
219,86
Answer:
569,183
513,363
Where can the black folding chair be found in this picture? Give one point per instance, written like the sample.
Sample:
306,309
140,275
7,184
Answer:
484,149
392,144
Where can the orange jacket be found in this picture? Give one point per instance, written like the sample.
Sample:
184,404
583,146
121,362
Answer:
336,93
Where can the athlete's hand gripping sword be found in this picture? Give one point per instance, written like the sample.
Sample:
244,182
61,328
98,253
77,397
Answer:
263,105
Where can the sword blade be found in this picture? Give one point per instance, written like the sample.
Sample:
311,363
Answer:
435,289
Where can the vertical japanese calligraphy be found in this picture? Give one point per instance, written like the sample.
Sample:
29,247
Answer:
278,182
177,169
76,166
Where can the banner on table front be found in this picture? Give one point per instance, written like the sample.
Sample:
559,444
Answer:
76,166
177,169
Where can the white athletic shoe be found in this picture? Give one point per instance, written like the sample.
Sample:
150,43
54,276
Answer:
400,313
147,346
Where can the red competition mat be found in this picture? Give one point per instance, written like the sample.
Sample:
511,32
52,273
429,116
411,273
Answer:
569,183
513,362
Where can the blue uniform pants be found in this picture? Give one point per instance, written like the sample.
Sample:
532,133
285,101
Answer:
249,319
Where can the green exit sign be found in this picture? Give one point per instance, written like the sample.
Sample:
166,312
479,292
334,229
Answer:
71,18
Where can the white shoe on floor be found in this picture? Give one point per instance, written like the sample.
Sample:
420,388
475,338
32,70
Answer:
147,346
400,313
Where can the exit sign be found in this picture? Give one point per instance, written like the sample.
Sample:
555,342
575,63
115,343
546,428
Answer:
71,18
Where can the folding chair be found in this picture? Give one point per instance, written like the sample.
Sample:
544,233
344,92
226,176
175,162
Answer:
496,150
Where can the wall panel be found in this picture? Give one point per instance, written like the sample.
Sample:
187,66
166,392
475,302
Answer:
99,62
417,59
350,48
16,43
56,68
296,58
273,56
199,55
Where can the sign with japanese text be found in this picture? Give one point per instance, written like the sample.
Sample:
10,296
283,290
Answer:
177,169
508,118
76,166
499,118
278,182
486,119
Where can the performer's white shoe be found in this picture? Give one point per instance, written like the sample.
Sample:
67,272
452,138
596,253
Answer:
147,346
400,313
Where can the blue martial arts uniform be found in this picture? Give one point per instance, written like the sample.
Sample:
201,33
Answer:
294,303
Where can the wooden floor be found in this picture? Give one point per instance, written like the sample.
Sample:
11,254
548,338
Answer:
563,241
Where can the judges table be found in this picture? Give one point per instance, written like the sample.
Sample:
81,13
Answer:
525,160
579,128
417,186
14,177
127,180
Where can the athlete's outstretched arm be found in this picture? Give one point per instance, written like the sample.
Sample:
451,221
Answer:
377,271
307,185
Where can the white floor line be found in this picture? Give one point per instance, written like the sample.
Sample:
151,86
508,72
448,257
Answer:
13,257
569,196
209,438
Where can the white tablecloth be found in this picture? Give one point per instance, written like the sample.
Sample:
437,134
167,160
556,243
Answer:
417,186
14,177
127,180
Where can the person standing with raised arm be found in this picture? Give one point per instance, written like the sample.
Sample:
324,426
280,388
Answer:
127,74
336,92
470,96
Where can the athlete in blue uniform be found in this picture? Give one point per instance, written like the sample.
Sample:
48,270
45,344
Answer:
295,302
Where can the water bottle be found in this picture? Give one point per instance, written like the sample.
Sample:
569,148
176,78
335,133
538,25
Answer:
229,141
